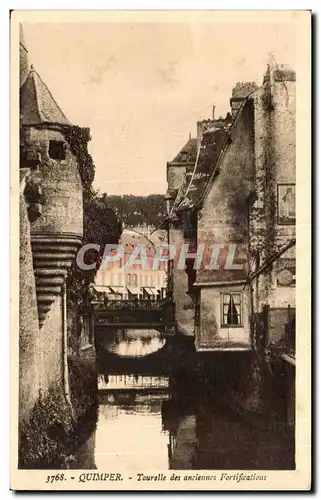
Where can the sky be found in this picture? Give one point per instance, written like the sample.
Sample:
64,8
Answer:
141,87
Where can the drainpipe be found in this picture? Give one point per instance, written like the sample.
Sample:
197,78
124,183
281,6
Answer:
65,370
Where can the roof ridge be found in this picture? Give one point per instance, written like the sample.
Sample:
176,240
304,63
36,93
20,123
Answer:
31,73
191,141
192,176
222,150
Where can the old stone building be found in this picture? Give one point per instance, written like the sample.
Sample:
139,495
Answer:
178,171
238,197
51,229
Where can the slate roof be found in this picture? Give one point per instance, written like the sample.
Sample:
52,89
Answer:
196,179
188,153
37,105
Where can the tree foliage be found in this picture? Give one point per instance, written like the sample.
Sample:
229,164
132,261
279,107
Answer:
101,225
78,138
138,210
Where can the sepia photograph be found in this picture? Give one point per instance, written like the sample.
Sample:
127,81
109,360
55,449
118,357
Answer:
160,197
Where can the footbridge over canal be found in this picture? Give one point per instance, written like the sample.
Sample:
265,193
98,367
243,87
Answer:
123,322
148,322
135,314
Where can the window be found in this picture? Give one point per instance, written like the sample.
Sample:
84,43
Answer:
134,279
231,309
57,150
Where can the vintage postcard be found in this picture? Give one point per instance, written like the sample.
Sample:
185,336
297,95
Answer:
160,240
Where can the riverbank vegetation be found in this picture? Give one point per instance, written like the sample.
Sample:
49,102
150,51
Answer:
55,428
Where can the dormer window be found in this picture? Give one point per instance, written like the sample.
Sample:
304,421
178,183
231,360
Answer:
57,150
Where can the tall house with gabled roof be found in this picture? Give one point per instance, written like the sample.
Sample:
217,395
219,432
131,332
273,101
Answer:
239,198
182,222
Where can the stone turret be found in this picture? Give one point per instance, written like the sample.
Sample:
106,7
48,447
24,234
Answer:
24,62
57,233
51,229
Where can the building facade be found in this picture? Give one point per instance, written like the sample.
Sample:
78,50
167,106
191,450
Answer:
235,208
117,281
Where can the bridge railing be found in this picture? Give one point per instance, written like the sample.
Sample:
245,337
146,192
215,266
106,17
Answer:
132,304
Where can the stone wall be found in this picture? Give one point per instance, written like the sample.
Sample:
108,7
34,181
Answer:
175,175
51,228
275,164
51,335
30,347
184,307
40,353
61,185
44,265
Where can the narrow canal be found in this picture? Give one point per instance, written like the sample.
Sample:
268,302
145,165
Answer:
147,422
132,343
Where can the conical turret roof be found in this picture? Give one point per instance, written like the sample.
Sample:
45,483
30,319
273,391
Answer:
37,105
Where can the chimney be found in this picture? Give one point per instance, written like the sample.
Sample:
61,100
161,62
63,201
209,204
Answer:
239,93
213,113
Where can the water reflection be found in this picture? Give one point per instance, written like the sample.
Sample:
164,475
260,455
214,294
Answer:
130,436
133,343
143,424
134,382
